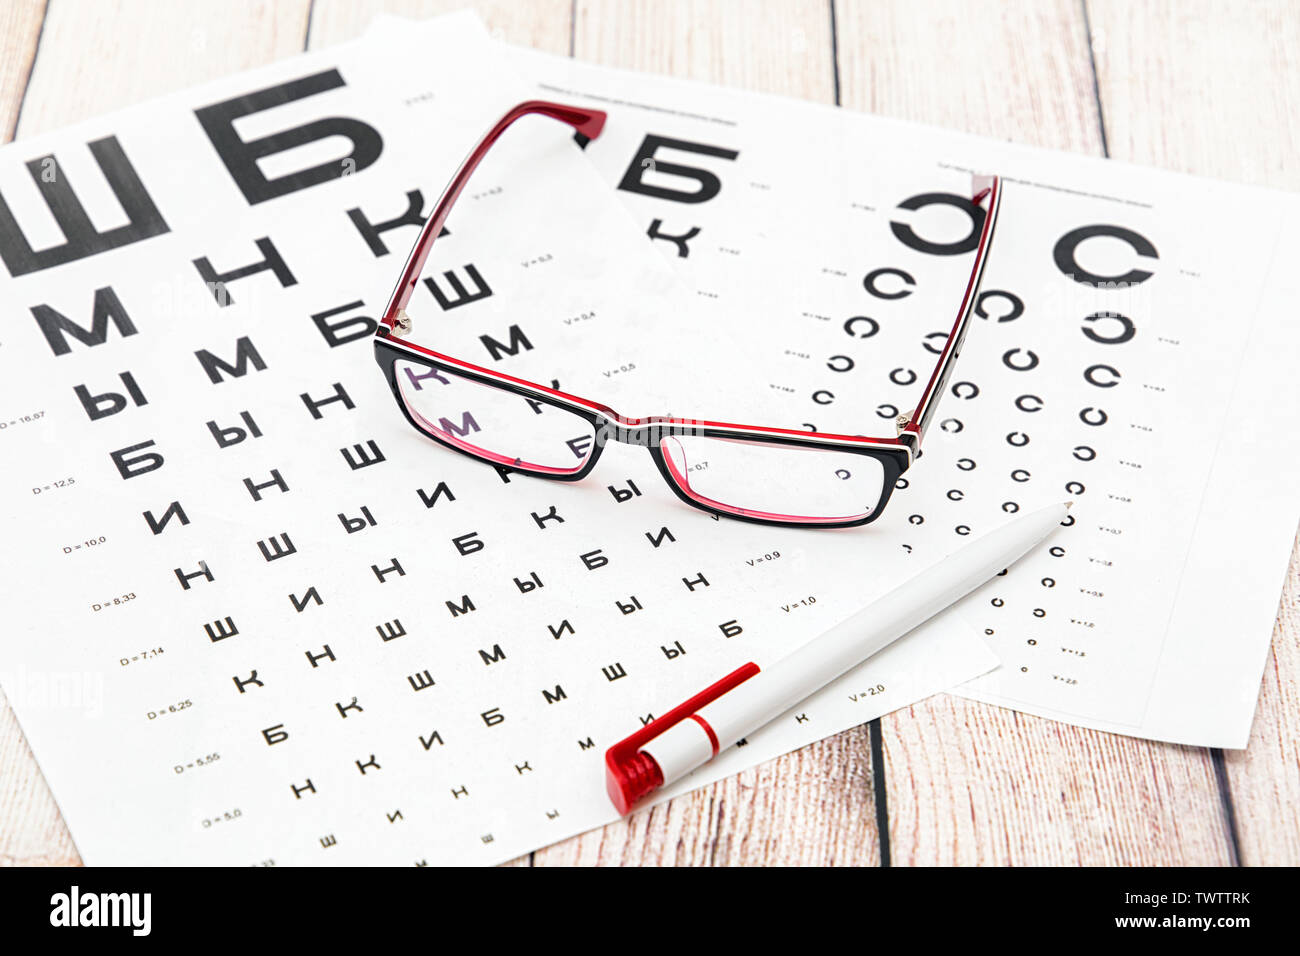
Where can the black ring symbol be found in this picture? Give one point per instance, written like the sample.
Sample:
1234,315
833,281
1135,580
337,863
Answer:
907,377
1089,375
1024,400
969,388
1017,307
966,464
1033,360
1018,473
872,323
1064,255
1084,453
1127,329
1098,414
932,347
1017,439
909,238
846,366
870,283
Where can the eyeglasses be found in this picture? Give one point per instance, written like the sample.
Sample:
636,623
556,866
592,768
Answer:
767,475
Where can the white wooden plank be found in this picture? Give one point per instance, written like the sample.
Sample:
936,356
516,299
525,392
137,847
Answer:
1212,89
20,29
31,831
1264,779
93,58
539,23
814,806
783,47
811,807
98,57
1013,70
969,783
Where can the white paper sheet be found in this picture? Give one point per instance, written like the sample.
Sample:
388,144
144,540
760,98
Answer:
217,659
1153,393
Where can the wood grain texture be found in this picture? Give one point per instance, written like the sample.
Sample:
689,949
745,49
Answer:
93,58
20,31
815,805
783,48
1016,69
104,55
968,783
1196,86
1264,778
543,24
32,832
971,784
1212,88
811,807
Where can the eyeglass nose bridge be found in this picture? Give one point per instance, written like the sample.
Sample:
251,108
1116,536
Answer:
609,430
645,433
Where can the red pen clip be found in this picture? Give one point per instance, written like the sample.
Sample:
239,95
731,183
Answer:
630,774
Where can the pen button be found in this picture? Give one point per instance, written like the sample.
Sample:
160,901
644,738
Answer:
629,777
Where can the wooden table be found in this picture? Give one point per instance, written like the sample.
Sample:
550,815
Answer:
1200,86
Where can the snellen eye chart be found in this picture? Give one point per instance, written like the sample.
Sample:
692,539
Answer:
252,616
1123,357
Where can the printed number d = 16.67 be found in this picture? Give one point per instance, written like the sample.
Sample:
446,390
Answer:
22,420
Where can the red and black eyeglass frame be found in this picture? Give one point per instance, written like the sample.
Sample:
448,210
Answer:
894,454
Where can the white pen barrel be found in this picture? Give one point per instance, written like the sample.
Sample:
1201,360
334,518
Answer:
774,690
683,747
777,688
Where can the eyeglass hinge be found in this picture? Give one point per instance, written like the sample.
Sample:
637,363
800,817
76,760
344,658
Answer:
402,324
902,421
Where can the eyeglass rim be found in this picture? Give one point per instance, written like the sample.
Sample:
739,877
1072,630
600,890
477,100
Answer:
610,425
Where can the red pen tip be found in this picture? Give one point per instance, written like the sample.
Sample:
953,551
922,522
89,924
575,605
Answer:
630,777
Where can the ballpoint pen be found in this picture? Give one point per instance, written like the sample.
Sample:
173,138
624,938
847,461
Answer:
693,733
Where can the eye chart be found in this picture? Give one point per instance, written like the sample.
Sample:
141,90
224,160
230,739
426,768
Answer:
252,616
1118,360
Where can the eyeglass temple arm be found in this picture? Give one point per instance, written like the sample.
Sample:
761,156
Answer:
587,123
987,193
